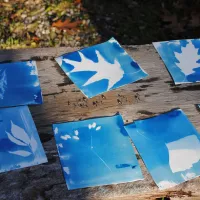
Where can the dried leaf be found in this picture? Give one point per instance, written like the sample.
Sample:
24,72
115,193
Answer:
98,128
36,39
71,31
67,24
77,2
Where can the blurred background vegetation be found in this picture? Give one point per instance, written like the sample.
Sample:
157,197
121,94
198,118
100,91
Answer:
48,23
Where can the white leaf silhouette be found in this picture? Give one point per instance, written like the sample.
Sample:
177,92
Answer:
76,137
14,140
188,176
36,84
56,130
89,126
21,153
3,83
188,58
98,128
65,137
103,69
34,72
94,125
59,60
33,144
19,133
30,63
60,145
166,184
76,132
66,169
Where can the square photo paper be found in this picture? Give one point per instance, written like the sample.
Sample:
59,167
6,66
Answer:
100,68
169,146
19,84
20,144
182,59
96,152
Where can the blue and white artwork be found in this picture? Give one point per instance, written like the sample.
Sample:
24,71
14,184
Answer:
100,68
169,146
20,144
19,84
96,152
182,59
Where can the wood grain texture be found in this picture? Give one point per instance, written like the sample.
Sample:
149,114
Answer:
64,102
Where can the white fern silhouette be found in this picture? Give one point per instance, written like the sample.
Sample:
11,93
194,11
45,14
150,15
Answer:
104,70
188,59
21,138
3,82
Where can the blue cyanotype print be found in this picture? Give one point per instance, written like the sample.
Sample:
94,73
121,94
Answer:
169,146
96,152
182,59
20,145
100,68
19,84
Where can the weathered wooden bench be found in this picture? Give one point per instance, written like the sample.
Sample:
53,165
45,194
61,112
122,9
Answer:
64,102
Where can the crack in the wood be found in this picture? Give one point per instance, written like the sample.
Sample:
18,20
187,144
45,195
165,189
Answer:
149,80
139,90
145,86
145,112
131,48
148,95
49,188
45,137
42,58
189,88
54,93
171,83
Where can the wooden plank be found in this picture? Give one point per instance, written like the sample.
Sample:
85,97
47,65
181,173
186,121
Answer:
64,102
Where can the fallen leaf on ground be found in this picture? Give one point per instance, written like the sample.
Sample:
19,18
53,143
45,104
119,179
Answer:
36,39
77,2
67,24
71,31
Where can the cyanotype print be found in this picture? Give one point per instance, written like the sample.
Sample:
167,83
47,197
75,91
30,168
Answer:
100,68
20,145
169,146
19,84
96,152
182,59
